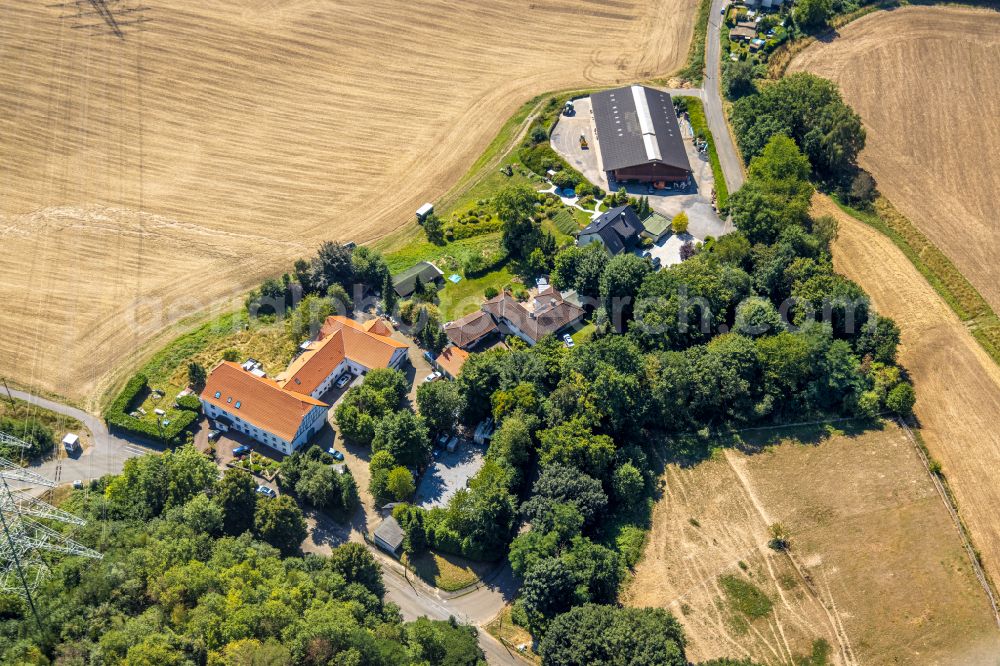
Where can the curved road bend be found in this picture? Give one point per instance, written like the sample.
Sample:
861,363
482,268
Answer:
109,453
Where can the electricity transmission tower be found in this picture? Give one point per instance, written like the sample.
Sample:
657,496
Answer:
24,539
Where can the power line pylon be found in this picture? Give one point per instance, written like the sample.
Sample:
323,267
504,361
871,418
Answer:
24,539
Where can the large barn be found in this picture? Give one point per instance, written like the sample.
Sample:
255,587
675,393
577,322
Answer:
639,137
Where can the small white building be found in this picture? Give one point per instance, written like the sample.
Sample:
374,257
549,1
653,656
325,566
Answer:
424,211
71,443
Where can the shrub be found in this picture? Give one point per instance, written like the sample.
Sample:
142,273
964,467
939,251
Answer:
491,292
189,402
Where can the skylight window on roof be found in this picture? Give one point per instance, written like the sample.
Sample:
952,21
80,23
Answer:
238,403
229,400
218,394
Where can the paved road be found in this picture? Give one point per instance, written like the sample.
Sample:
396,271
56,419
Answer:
729,157
108,454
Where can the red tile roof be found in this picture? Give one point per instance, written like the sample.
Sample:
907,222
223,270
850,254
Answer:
262,402
314,365
362,346
451,360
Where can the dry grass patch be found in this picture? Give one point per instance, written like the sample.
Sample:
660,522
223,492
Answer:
447,572
926,82
504,630
148,178
875,570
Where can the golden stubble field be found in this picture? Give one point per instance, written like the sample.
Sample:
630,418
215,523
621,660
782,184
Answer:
876,567
144,179
927,84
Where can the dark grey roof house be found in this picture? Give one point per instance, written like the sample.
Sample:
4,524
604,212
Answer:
389,535
428,273
617,229
638,135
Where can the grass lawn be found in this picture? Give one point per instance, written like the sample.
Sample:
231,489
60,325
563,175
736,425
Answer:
456,300
504,630
584,334
745,597
21,410
446,572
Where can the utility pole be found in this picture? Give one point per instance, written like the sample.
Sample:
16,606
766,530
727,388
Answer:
24,538
9,396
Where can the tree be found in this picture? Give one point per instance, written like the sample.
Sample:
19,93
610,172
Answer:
357,565
332,265
434,228
404,435
573,443
628,485
562,484
237,496
608,635
400,484
279,522
580,268
680,223
444,643
738,78
197,376
549,589
441,404
389,296
879,339
901,399
326,488
620,285
863,189
687,250
812,14
810,111
756,316
379,466
515,206
204,515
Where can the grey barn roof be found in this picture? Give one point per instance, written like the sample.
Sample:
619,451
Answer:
637,125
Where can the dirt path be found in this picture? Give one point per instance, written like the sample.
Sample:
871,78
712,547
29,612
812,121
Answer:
958,386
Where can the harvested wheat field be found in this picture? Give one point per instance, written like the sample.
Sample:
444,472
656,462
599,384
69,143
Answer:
875,568
958,385
927,84
143,179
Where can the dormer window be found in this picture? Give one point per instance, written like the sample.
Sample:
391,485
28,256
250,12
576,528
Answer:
229,400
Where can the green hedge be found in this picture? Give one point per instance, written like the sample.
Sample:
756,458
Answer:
700,126
189,402
118,419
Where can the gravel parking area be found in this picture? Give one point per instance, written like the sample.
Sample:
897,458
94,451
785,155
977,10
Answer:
449,474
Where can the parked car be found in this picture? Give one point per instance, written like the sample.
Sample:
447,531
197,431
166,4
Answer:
433,377
568,339
344,380
213,435
241,451
267,492
337,455
429,357
78,484
442,439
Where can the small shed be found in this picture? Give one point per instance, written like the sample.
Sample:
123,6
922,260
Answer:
405,283
424,211
71,443
389,536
